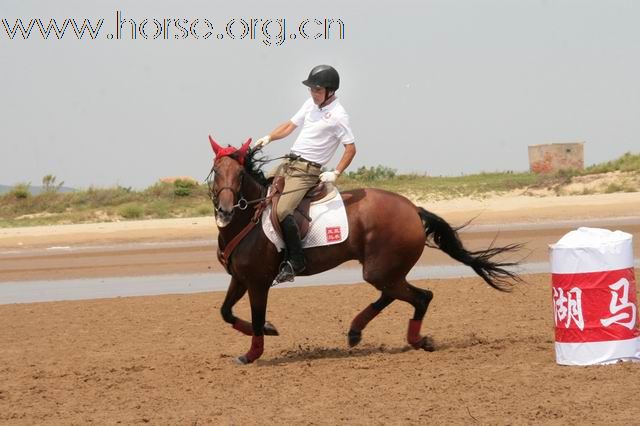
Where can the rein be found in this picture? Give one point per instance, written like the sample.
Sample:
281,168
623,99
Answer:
224,255
243,203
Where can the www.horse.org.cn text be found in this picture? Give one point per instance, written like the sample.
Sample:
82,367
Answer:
268,31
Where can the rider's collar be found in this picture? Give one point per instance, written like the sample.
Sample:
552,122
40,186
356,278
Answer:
328,106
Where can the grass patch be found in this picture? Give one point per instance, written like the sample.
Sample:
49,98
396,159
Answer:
103,204
131,211
159,209
446,187
204,210
626,163
620,187
613,187
184,198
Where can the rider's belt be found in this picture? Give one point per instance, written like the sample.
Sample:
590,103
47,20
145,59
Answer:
295,157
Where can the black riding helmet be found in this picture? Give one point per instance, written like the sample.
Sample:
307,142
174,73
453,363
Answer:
323,76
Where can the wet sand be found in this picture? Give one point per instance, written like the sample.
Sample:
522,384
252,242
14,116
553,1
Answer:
199,256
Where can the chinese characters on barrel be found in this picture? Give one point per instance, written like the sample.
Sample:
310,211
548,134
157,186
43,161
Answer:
568,308
622,310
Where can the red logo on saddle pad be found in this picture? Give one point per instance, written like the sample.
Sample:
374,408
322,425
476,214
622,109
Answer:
333,234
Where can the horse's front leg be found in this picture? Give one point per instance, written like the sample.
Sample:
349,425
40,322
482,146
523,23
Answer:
234,293
258,296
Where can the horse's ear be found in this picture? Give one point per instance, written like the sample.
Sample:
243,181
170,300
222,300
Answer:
214,145
245,148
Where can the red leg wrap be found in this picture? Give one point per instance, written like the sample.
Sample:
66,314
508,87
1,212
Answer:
413,334
257,347
363,318
243,327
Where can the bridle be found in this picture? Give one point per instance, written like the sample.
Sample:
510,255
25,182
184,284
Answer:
214,195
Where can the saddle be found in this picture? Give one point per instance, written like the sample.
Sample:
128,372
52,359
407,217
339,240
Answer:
317,194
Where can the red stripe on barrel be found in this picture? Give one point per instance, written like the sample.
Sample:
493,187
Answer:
595,306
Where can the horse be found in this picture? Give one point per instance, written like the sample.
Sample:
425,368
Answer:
387,235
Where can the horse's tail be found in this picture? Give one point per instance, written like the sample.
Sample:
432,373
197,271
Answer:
442,236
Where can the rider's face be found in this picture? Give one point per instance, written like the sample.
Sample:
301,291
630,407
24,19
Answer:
318,93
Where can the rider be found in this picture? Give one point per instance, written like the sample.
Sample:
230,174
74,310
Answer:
325,125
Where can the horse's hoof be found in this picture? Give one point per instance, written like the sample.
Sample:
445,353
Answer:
270,329
241,360
426,344
354,337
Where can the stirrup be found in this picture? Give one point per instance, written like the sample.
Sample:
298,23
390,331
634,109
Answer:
287,273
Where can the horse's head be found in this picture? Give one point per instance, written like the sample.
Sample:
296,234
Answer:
229,171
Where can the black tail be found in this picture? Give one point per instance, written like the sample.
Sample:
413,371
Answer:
445,238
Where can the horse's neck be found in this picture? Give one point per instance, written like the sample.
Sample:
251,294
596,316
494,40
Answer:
251,190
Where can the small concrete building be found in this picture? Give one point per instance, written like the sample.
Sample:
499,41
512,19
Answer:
551,158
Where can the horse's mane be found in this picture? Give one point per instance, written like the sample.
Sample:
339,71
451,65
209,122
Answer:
253,165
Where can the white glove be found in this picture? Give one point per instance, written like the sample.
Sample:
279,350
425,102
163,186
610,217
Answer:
329,176
262,142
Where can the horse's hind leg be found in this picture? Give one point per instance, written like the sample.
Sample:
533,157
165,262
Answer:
363,318
420,300
388,274
234,293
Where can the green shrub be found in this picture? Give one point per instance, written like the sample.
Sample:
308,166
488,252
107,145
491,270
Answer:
372,173
614,187
21,191
49,184
160,190
159,208
102,197
621,187
183,187
131,211
568,173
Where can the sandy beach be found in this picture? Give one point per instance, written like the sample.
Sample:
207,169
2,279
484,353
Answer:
168,359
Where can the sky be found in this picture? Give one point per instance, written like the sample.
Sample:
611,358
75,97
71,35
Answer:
444,87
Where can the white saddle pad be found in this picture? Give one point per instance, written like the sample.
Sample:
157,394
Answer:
328,225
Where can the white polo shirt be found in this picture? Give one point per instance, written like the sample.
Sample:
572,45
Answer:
323,130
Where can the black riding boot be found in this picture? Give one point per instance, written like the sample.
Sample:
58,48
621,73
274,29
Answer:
295,262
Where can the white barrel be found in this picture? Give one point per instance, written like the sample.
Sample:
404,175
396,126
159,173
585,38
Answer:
594,297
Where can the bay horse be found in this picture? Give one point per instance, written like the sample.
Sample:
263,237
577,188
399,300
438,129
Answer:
387,235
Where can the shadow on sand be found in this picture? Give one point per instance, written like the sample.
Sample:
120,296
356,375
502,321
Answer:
305,354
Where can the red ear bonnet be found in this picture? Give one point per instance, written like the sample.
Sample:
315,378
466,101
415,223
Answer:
243,150
230,150
214,146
